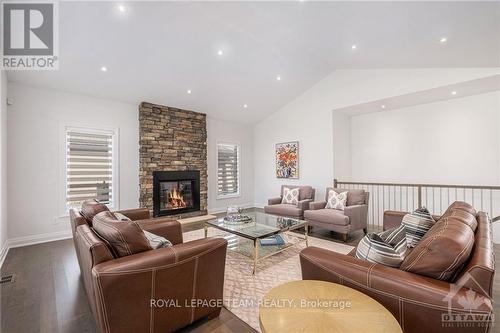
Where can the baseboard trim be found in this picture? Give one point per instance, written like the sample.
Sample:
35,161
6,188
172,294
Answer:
223,210
3,252
37,239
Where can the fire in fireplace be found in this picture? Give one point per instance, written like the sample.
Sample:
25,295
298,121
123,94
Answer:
175,192
176,199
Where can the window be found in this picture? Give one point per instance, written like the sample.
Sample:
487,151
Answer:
89,167
228,170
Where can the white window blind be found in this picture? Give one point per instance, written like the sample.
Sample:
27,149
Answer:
89,167
228,180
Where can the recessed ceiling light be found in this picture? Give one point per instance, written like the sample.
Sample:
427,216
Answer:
453,93
443,40
122,8
354,47
382,106
104,69
189,91
278,78
245,106
220,52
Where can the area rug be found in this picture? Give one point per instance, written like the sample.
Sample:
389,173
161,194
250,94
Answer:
242,289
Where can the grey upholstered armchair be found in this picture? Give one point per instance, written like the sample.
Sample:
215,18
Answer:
354,217
306,196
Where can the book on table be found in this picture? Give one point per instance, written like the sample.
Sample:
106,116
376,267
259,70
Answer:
272,240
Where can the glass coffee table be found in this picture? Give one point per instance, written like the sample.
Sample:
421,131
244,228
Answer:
261,226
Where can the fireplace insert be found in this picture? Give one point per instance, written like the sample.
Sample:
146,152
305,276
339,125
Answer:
175,192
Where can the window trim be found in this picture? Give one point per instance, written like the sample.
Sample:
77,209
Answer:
64,128
238,147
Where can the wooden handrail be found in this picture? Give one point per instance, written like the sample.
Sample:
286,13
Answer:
477,187
420,186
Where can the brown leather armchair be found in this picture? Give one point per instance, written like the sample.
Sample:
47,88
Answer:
159,290
306,195
419,303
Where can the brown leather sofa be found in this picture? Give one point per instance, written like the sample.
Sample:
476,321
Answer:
422,302
275,207
353,218
155,290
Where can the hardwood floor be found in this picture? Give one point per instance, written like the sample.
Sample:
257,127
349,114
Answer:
48,296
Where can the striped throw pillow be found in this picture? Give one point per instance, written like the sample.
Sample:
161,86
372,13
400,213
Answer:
386,248
416,225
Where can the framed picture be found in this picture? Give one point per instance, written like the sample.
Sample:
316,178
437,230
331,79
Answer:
287,160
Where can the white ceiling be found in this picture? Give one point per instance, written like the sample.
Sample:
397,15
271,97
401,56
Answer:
156,51
436,94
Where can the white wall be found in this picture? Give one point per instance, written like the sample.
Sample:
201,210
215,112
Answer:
308,119
451,142
342,146
35,122
34,157
3,165
221,131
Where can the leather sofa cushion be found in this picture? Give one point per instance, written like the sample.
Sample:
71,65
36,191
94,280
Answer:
460,205
464,212
325,215
124,237
284,209
442,251
91,208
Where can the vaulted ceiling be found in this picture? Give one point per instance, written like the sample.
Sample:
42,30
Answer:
241,61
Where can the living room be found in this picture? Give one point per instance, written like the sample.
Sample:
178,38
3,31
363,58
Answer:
253,152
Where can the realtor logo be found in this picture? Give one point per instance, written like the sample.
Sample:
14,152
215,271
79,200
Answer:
30,36
475,306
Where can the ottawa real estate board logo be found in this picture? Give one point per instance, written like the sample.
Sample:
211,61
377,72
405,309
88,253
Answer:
30,39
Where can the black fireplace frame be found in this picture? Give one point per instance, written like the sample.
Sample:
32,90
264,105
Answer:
171,176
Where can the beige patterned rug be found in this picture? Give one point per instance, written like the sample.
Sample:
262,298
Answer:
242,289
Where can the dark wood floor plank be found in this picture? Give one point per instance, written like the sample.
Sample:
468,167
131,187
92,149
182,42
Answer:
48,295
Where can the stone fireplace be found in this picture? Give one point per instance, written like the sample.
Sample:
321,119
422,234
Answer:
172,143
175,192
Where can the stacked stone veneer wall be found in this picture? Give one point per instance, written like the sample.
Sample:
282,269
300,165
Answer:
171,139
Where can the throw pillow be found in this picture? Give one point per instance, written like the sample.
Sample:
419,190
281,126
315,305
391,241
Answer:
290,196
91,208
336,200
416,225
124,237
155,241
387,248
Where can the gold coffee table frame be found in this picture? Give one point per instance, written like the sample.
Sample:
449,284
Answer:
285,309
257,237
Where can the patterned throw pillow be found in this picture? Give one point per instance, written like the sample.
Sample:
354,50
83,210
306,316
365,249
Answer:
416,225
387,248
336,200
290,196
156,241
